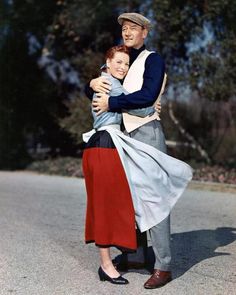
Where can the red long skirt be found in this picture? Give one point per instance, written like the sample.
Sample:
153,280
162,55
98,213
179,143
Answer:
110,217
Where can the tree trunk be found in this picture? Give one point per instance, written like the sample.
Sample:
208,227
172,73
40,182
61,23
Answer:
188,136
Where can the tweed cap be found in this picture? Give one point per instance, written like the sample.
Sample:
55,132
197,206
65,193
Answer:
135,18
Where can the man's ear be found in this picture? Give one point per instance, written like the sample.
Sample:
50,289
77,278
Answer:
145,33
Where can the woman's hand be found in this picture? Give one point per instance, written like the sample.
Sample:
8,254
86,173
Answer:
100,103
100,84
157,107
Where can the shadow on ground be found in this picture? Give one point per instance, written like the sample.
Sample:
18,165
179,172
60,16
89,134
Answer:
190,248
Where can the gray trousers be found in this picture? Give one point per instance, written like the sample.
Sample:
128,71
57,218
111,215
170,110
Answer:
152,133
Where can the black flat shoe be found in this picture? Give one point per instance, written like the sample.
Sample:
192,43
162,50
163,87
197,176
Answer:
117,281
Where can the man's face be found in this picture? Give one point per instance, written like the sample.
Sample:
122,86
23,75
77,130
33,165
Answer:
133,35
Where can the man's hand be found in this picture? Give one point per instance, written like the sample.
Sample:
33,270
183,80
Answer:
100,84
157,107
100,104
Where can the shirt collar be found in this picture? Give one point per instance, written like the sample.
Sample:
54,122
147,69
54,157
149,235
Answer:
134,53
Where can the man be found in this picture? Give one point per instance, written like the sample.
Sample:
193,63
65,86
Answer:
144,81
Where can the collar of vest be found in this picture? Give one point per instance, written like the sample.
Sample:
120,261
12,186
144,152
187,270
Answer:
134,53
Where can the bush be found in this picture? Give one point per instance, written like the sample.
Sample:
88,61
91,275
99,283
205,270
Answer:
66,166
69,166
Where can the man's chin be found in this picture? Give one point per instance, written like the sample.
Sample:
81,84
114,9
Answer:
128,44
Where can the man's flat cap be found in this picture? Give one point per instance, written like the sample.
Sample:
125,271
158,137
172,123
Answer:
135,18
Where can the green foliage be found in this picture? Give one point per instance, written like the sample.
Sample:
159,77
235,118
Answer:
177,23
215,75
80,32
83,30
212,123
209,70
79,119
66,166
28,101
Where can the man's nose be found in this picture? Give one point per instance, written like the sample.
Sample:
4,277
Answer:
127,32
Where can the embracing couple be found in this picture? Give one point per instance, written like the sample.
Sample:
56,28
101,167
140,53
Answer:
131,183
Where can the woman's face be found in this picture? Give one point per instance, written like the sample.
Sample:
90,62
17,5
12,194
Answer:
118,65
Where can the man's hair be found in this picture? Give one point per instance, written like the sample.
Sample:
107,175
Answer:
120,48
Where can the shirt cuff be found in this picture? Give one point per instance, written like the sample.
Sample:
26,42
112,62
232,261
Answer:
113,103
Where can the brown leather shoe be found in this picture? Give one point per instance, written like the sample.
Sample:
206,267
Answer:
158,279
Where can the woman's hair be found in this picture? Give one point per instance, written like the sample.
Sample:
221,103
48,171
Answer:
120,48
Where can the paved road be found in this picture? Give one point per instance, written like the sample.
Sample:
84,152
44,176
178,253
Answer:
42,251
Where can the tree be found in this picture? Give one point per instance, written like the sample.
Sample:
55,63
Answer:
83,41
67,39
29,102
179,27
193,58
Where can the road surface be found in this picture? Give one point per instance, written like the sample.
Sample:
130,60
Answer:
42,250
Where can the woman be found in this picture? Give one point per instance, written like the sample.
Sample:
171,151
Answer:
126,180
110,219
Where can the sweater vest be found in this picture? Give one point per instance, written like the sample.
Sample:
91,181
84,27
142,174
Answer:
133,82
